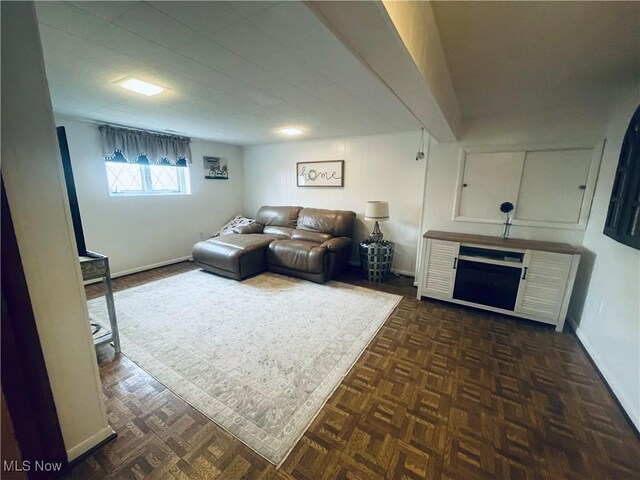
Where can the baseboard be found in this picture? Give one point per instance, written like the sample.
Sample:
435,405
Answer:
94,441
405,273
572,322
143,268
150,267
605,373
397,271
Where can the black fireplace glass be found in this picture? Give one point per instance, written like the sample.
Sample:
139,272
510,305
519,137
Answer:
487,284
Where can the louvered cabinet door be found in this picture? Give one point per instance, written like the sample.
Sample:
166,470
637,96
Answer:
440,268
542,284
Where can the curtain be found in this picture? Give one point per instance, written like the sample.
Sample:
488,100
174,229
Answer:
139,146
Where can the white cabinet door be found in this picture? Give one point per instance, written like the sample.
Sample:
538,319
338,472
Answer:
441,259
553,185
550,187
542,285
488,180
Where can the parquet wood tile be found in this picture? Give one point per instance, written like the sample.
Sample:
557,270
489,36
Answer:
442,392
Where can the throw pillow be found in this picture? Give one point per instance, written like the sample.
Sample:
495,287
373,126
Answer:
237,221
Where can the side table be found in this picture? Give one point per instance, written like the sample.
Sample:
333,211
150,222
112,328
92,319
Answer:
376,259
93,266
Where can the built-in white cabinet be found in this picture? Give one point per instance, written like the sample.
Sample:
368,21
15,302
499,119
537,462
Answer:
550,187
528,279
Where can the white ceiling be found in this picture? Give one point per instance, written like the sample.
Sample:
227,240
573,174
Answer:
238,71
235,71
518,57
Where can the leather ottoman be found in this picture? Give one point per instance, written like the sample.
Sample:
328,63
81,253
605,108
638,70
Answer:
234,255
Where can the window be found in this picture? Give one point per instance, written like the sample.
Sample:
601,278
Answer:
140,162
623,217
139,179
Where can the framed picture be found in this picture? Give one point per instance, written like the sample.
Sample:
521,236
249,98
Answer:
329,173
216,168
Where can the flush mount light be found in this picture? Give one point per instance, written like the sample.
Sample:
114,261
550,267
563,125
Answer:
145,88
290,131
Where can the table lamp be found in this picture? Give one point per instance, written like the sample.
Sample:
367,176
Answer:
378,211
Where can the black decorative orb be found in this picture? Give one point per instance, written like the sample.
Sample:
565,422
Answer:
506,207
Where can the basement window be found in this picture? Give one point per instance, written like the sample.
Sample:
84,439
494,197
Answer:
140,179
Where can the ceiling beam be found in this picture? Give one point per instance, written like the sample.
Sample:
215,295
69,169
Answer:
410,63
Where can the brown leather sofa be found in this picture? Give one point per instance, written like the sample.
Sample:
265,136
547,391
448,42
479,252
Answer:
309,243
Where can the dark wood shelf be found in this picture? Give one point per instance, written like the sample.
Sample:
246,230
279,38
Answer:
515,243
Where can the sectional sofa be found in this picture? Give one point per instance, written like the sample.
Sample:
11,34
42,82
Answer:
310,243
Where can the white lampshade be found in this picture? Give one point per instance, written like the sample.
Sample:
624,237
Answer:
377,210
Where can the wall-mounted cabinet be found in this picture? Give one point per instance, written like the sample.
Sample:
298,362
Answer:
550,187
524,278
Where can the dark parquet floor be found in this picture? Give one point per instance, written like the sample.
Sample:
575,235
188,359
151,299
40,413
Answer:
442,392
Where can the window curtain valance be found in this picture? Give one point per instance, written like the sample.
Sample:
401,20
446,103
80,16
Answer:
139,146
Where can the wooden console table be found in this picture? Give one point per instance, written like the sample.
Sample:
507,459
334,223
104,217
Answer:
96,266
524,278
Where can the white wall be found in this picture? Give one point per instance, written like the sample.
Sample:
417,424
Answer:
32,171
610,323
565,128
142,231
381,167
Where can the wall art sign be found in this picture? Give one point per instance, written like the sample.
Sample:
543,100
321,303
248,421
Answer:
329,173
216,168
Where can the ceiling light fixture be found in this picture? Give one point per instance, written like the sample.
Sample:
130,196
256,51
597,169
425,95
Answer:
145,88
290,131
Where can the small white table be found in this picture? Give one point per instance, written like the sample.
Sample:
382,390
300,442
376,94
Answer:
96,266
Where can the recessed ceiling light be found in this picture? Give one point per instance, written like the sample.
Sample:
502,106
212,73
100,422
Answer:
290,131
145,88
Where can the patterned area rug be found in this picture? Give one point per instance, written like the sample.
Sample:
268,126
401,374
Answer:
259,357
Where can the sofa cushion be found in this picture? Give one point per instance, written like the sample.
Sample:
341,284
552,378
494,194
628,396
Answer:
279,216
309,236
297,255
278,232
338,223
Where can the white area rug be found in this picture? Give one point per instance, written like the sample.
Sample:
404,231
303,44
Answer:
259,357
